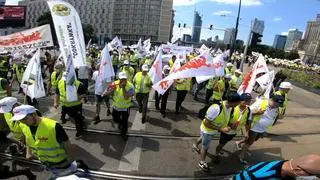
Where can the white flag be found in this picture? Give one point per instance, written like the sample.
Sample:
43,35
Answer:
250,79
162,86
155,71
71,78
69,31
203,49
106,70
32,82
218,72
147,45
266,83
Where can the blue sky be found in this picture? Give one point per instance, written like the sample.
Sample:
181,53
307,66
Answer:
278,15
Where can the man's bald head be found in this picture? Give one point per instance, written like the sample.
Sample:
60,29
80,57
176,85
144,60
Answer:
309,163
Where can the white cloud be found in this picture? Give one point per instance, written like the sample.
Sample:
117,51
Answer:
222,12
277,19
244,2
284,33
184,2
12,2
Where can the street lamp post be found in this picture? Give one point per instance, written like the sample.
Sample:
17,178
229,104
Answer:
236,31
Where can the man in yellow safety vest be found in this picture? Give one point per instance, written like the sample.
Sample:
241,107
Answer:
46,140
183,86
128,70
241,117
5,91
123,92
216,119
6,106
72,108
142,83
264,112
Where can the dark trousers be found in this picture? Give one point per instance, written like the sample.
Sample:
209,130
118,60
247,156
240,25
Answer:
209,93
198,88
76,113
164,99
121,117
85,83
142,99
115,69
181,95
32,102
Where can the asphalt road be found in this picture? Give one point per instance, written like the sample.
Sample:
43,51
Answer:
162,146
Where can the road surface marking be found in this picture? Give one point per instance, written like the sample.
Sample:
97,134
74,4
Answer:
133,148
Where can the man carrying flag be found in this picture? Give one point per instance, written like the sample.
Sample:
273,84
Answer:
123,92
72,108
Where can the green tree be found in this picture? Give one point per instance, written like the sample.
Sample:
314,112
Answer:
46,18
292,55
88,32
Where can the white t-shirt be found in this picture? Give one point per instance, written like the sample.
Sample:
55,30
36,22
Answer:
212,114
100,86
266,119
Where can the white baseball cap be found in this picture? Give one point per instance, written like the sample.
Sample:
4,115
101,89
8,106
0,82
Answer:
229,64
145,67
238,71
123,75
166,67
126,62
6,104
22,111
286,85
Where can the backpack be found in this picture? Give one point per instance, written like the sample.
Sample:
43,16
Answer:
203,111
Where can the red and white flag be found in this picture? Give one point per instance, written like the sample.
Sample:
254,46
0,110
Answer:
266,83
155,71
163,85
106,69
199,66
259,68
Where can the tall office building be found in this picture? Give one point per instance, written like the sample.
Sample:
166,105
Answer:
129,19
229,35
196,28
279,42
312,40
293,35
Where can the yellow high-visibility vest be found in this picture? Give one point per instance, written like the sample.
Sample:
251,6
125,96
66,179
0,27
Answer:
44,145
146,86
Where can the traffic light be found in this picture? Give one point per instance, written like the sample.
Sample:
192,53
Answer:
179,25
184,25
211,26
256,39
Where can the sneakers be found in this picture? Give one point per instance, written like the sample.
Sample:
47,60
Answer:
78,135
203,165
108,112
163,115
195,148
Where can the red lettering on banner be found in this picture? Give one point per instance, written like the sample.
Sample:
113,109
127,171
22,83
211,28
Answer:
105,63
198,63
261,66
20,38
155,66
164,85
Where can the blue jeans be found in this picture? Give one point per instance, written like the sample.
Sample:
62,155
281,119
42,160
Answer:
206,140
